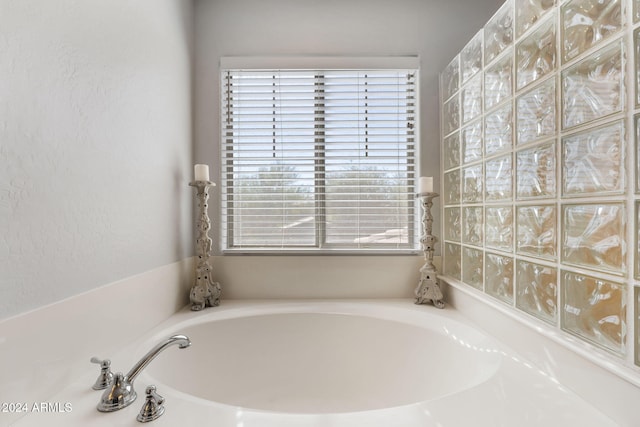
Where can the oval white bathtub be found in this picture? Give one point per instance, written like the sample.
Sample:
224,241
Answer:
341,363
325,358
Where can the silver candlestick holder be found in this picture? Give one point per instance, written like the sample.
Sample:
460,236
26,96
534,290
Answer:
205,292
428,288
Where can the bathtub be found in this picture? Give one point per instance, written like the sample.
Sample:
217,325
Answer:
331,363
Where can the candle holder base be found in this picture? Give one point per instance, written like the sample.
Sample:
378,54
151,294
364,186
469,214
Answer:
428,289
205,292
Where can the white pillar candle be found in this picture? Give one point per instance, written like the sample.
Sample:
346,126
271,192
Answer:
425,185
201,172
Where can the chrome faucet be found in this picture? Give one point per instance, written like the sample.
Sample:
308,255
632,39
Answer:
121,394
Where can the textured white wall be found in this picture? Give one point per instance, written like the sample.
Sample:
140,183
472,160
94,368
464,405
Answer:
95,144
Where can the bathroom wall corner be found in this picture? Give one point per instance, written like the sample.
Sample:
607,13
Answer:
46,347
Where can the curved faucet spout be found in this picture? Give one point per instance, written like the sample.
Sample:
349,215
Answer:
182,341
121,393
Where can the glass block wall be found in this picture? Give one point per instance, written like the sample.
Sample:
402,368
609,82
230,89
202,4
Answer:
540,122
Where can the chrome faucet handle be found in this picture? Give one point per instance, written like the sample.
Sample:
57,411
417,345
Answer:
153,406
118,395
120,392
106,376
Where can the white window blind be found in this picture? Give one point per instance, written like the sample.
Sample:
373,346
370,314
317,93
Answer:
320,159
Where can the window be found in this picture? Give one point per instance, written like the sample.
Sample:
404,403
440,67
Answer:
319,159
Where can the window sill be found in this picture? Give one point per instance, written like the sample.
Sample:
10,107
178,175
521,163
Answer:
316,251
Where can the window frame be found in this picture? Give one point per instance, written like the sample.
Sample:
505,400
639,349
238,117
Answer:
320,245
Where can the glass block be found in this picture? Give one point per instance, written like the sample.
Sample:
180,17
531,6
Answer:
536,54
593,236
450,78
586,23
595,310
637,242
529,12
637,159
636,311
498,130
536,113
536,172
472,99
636,44
499,227
471,57
452,224
472,225
593,87
451,151
537,290
498,82
472,184
498,32
452,187
471,142
498,178
536,231
451,115
498,273
472,267
593,161
452,260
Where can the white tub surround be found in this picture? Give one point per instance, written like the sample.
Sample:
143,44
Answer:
579,367
499,387
44,350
